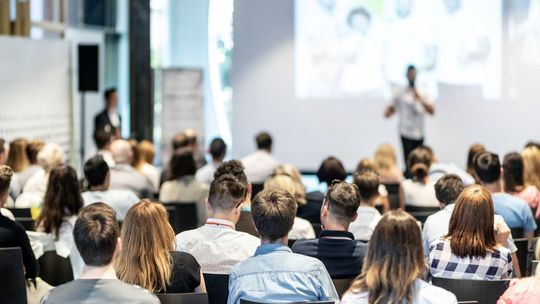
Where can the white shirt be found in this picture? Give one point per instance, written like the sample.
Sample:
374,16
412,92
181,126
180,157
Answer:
206,173
119,200
33,191
114,118
107,157
424,294
411,115
418,194
438,170
152,174
363,226
302,229
259,165
5,212
186,190
217,246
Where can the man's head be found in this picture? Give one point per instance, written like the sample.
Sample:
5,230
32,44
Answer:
411,75
368,183
232,167
103,138
330,170
273,212
191,137
96,172
182,164
487,167
111,99
122,152
33,149
217,149
448,188
5,180
264,141
226,195
180,140
51,156
96,234
340,204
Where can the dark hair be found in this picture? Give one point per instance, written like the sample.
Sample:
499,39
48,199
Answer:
448,188
32,150
368,183
273,212
108,93
95,171
513,172
62,198
343,200
411,67
218,148
357,11
180,140
263,140
532,144
5,179
487,167
226,192
419,161
331,169
102,137
182,164
474,151
2,146
232,167
96,234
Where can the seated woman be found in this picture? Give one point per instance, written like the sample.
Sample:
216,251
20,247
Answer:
394,266
470,250
386,165
382,199
419,191
148,258
514,180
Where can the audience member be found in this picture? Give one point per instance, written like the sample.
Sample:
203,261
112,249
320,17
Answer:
368,217
260,164
109,119
524,291
302,229
336,247
514,183
193,144
381,199
394,266
418,191
218,150
103,139
217,245
386,165
32,150
148,258
97,238
17,158
515,211
97,175
300,190
531,166
470,250
12,158
182,186
144,163
123,175
438,170
49,157
474,150
293,277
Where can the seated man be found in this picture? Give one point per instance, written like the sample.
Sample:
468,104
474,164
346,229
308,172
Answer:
217,246
274,273
368,216
260,164
336,247
123,175
97,175
447,190
97,238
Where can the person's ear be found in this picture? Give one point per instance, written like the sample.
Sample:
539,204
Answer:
208,207
250,189
118,245
324,210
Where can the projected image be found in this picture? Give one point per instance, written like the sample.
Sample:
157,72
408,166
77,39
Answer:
362,47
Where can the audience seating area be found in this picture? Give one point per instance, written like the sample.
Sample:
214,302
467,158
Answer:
484,292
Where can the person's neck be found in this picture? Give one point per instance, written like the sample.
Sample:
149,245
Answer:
369,202
269,151
281,241
228,216
99,188
494,187
99,272
333,224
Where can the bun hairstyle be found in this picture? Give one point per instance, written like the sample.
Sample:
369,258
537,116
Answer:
419,161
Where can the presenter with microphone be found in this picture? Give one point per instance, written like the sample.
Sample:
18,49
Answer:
411,106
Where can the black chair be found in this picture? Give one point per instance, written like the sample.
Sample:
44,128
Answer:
182,216
245,224
183,298
24,217
290,243
55,269
517,233
256,188
534,265
393,195
483,291
251,302
317,228
217,286
531,256
342,285
522,245
13,287
421,213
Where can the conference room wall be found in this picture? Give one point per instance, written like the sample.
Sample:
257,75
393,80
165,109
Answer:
307,130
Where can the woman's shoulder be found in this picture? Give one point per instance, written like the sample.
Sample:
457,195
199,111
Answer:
427,293
355,297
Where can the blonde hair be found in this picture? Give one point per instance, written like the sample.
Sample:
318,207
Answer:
283,182
531,166
147,239
17,157
292,172
51,156
145,154
385,159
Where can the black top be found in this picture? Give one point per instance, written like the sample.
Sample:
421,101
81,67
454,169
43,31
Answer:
12,234
185,274
102,120
311,211
338,250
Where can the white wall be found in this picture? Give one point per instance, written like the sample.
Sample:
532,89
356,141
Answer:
306,131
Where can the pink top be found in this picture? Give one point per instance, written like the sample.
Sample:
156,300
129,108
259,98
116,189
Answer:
524,291
530,194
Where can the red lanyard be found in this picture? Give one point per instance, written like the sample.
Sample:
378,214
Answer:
220,224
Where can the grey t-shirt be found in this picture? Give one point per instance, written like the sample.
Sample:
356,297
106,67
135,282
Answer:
89,291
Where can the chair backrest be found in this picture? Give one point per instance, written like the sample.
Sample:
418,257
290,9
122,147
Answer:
534,264
290,243
55,269
217,286
517,233
182,216
522,245
256,188
13,285
483,291
245,224
251,302
421,209
393,195
531,256
24,217
342,285
183,298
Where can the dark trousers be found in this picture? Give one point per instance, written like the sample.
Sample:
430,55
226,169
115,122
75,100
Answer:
408,146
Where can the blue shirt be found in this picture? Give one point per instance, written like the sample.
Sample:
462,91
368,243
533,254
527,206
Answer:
515,211
275,274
